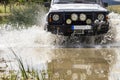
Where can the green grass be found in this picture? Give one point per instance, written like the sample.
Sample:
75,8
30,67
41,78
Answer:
10,7
22,14
2,9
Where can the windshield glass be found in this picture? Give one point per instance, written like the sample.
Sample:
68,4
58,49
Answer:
76,1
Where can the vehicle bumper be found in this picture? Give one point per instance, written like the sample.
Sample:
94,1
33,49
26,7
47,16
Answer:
97,29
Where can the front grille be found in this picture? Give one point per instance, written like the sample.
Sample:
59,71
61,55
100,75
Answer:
67,15
90,15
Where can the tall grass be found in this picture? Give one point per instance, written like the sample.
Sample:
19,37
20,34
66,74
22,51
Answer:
23,74
27,15
115,8
4,15
2,9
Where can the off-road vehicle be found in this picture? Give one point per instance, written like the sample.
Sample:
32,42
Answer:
82,17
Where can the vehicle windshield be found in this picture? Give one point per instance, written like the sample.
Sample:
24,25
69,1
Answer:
76,1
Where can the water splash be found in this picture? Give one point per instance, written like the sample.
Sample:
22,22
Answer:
30,37
115,35
115,68
27,44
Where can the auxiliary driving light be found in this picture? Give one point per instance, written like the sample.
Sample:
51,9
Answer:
68,21
101,17
83,17
88,21
74,17
55,17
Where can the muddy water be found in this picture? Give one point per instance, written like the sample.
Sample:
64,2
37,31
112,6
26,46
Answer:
67,59
81,64
66,63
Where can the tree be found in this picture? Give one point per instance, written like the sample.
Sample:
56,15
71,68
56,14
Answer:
4,1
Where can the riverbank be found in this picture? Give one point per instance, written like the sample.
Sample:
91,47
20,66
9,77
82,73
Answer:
4,14
114,8
4,18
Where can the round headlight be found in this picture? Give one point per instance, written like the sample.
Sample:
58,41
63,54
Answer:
68,21
101,16
55,17
74,17
88,21
83,17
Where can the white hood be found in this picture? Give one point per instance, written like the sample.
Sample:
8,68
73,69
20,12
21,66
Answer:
76,7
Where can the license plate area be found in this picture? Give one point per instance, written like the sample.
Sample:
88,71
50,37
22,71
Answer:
81,27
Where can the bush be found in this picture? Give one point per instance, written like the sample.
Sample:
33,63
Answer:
26,15
3,19
0,11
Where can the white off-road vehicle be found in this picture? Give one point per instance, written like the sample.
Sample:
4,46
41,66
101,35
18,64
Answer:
82,17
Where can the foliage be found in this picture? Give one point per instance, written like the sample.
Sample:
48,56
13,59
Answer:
8,1
26,15
3,20
4,1
2,9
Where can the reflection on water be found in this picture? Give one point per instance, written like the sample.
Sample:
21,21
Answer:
81,64
66,63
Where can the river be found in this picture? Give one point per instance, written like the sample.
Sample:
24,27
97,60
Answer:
43,50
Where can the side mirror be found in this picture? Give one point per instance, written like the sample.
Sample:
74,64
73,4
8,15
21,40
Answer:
47,4
105,4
